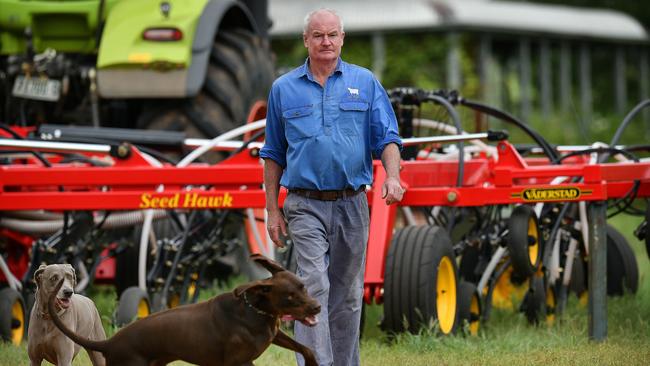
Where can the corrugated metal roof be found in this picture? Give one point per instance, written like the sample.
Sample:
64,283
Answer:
483,15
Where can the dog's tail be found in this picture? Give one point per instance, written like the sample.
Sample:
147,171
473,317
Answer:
84,342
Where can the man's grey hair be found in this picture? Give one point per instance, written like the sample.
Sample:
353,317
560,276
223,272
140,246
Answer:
311,14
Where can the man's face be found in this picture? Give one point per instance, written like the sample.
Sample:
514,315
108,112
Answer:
323,38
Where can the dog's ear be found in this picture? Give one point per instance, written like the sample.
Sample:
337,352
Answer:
38,273
70,268
256,286
271,266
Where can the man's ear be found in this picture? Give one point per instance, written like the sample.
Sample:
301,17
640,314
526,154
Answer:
253,287
70,268
38,273
271,266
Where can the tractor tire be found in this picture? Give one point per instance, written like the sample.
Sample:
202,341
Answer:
578,283
469,307
239,74
13,316
622,269
524,241
469,261
420,281
647,228
134,304
534,304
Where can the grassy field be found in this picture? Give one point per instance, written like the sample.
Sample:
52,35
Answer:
505,339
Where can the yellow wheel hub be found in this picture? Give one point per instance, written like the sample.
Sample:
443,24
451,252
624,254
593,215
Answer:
446,295
506,293
143,309
17,313
533,250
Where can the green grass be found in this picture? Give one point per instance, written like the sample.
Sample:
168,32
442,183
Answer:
505,339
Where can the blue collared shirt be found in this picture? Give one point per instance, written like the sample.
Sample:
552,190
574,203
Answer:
325,138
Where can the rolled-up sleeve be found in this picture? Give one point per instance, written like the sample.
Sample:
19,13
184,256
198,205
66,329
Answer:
275,144
383,124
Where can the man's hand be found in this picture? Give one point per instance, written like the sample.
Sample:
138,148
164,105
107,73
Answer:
276,225
392,190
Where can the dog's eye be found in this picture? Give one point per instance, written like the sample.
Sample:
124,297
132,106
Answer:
54,278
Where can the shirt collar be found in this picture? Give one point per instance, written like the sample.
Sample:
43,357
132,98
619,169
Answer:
304,69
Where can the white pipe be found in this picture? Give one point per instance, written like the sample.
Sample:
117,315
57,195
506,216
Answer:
83,274
568,266
554,267
449,129
188,159
584,225
408,215
144,235
496,257
12,281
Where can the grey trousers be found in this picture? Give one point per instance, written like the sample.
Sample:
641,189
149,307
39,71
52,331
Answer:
330,239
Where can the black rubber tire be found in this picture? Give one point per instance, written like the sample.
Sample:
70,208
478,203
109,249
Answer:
524,244
239,74
13,316
534,304
467,269
134,304
578,284
647,228
469,308
420,256
622,269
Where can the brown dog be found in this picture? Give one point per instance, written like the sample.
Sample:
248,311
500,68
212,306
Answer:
230,329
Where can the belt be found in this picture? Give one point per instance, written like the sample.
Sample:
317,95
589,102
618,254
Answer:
327,195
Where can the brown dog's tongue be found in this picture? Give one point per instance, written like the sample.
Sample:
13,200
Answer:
310,320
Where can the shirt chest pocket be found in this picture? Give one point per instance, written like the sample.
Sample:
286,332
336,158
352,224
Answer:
353,116
299,123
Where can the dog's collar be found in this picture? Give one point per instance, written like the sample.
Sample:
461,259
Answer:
257,310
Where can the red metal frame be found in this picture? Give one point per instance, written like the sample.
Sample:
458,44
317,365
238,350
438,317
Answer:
237,183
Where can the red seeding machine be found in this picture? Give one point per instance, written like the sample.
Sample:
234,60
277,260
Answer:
483,223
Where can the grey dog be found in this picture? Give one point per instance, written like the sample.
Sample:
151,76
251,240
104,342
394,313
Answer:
45,340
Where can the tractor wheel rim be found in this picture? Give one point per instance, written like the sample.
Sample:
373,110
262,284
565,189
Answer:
506,294
143,309
475,313
533,250
446,295
550,307
18,314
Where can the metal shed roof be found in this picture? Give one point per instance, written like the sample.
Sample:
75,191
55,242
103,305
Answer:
480,15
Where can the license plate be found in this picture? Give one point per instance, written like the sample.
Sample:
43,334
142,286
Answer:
37,88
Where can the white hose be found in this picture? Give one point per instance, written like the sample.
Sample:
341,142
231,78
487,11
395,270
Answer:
47,227
408,215
12,281
449,129
501,251
83,274
188,159
568,267
554,267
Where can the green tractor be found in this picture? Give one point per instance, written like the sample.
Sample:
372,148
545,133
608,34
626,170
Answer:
196,66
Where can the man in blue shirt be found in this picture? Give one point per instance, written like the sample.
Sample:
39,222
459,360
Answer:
325,121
